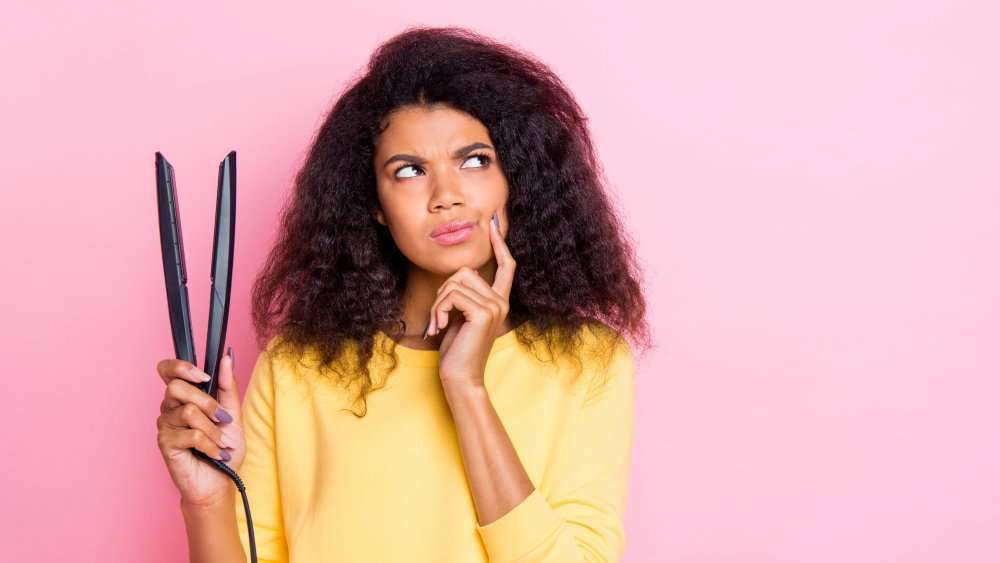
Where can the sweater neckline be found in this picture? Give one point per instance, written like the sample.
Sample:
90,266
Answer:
432,358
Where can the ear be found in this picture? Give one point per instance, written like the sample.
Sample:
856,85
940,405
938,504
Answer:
379,216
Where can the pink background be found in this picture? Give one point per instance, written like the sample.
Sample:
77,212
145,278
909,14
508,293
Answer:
815,190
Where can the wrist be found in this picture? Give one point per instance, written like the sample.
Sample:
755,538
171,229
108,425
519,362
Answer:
463,386
465,393
220,502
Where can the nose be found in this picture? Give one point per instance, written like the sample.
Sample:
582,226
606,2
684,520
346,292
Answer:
446,191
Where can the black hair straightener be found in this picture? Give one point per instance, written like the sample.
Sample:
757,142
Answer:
175,275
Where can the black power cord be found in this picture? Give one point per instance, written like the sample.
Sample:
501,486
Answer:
243,491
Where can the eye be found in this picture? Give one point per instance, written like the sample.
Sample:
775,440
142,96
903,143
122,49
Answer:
482,157
404,167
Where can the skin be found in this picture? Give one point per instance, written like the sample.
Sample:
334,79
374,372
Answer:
460,292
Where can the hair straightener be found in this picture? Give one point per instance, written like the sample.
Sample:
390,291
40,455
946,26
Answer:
175,275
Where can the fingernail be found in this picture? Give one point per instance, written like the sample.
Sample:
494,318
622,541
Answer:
226,456
496,221
223,416
200,375
425,330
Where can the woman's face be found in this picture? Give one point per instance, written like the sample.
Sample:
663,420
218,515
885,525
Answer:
434,167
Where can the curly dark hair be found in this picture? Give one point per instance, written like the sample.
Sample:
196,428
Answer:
334,277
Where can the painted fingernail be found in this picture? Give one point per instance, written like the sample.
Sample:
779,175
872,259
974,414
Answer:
223,416
425,330
199,375
496,221
226,456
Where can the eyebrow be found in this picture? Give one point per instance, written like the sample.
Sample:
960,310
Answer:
418,160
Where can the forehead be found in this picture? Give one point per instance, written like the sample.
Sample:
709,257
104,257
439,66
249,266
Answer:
424,130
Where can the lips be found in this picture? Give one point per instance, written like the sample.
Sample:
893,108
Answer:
451,227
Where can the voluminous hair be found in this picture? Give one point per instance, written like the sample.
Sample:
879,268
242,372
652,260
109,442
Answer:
334,278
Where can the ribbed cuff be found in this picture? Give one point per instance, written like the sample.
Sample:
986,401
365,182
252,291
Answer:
521,530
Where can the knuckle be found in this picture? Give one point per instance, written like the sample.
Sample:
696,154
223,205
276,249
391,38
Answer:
189,411
175,387
198,438
169,439
171,367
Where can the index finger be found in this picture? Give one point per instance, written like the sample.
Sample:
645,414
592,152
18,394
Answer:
173,368
504,278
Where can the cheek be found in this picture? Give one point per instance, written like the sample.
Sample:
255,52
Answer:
407,232
407,237
502,192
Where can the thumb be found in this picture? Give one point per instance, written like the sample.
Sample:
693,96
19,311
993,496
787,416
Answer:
229,395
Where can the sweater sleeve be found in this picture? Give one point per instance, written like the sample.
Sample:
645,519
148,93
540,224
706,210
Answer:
581,519
259,471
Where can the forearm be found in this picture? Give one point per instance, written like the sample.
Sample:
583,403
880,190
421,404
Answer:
496,476
212,533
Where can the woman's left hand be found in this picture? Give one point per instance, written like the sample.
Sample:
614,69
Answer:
466,345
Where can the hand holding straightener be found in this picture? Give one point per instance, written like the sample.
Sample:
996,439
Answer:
190,418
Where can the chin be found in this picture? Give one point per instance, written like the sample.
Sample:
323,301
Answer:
451,264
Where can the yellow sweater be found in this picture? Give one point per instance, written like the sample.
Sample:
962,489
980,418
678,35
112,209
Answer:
324,485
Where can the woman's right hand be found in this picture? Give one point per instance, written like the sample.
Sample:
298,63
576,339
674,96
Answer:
189,418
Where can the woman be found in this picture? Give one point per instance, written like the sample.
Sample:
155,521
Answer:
444,375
